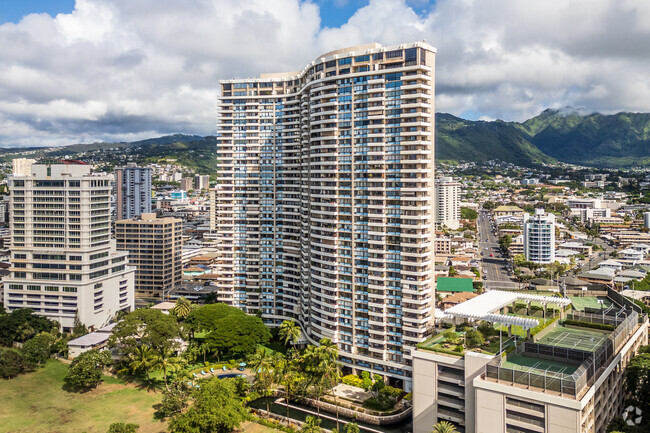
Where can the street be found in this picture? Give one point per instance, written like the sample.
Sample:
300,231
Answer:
493,267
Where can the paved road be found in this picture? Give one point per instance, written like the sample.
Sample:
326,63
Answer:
494,267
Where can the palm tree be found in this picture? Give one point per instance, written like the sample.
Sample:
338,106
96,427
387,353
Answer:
141,360
329,349
331,374
163,360
287,375
289,332
444,427
311,425
262,363
203,348
320,365
182,308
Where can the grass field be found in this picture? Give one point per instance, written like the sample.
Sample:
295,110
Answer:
37,403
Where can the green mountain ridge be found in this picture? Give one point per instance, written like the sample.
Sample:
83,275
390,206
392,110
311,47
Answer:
605,141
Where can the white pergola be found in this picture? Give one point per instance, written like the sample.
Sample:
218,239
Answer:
486,307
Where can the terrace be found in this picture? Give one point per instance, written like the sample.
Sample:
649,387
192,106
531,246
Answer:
565,359
555,350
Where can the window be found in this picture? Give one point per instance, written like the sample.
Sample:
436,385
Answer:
378,56
362,58
393,54
411,55
70,289
345,61
330,64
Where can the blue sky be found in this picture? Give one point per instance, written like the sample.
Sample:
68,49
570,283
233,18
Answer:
122,70
333,13
14,10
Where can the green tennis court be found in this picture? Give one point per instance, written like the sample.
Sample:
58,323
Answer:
538,365
581,339
580,302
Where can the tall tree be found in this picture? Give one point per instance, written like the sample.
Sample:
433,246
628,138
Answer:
287,374
216,409
165,360
182,308
142,359
262,364
85,371
146,326
39,348
289,332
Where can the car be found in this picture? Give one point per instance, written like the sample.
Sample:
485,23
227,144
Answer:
491,255
484,277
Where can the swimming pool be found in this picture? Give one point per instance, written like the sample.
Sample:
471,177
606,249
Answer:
230,375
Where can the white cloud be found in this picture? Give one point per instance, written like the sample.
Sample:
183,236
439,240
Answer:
128,69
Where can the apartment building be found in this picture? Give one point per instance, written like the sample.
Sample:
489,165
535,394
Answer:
133,190
565,378
539,237
155,249
447,195
201,182
324,207
63,261
212,196
187,184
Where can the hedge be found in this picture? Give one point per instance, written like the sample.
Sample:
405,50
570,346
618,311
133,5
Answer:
391,391
352,380
541,326
583,324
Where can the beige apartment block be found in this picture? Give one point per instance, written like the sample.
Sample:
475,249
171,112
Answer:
324,201
447,193
64,264
155,247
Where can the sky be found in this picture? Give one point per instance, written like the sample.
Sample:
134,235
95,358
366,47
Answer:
79,71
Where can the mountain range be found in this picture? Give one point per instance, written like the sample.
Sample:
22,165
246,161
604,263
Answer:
605,141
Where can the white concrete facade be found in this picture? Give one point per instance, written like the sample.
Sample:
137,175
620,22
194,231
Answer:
63,261
447,194
539,237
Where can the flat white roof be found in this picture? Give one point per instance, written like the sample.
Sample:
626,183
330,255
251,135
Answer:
486,306
92,339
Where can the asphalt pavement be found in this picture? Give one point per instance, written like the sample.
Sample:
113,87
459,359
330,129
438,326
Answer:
493,267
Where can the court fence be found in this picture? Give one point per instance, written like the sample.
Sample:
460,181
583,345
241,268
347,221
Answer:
589,362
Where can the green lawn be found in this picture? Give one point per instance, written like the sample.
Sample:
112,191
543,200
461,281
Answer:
36,402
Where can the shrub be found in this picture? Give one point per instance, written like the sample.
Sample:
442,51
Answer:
520,305
120,427
382,403
583,324
408,397
392,391
474,338
535,308
458,349
352,380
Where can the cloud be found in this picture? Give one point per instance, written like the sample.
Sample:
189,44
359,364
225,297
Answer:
125,70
